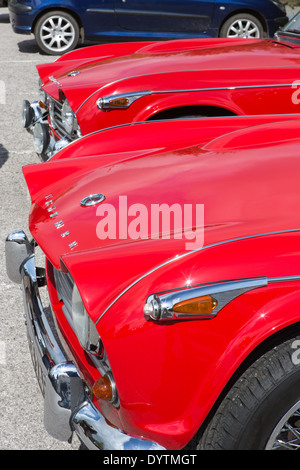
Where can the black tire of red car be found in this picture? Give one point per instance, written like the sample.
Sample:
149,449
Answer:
262,409
57,32
242,25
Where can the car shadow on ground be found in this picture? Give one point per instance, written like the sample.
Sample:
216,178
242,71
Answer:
29,46
3,155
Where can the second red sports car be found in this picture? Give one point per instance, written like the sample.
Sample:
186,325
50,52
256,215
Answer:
108,85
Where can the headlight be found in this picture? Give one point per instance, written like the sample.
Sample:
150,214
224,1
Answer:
85,329
68,117
40,138
27,114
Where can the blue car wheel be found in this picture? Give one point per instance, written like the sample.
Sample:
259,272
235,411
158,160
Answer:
56,32
242,25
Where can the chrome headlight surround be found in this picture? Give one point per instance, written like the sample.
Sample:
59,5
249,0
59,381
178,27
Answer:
68,117
85,329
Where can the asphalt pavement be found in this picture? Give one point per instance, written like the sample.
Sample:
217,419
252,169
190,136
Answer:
21,404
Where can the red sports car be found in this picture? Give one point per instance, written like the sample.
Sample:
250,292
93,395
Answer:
107,85
172,267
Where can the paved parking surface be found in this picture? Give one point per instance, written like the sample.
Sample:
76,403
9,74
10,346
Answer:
21,405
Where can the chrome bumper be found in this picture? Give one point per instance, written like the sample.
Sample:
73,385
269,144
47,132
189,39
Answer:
67,407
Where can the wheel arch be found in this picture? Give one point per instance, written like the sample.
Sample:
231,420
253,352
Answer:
58,8
178,112
285,334
247,11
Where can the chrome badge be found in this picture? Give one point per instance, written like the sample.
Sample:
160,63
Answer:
53,79
73,73
60,224
92,200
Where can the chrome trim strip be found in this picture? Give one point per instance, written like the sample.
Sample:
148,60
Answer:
283,279
187,254
238,87
191,90
102,102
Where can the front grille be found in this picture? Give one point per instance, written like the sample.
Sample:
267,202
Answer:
64,287
56,118
57,121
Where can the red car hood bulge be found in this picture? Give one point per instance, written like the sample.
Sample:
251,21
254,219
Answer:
164,57
246,186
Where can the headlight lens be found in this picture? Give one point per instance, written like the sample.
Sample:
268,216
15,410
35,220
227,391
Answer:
85,329
68,117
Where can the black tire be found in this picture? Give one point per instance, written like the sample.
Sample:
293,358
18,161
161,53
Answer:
57,32
254,413
242,25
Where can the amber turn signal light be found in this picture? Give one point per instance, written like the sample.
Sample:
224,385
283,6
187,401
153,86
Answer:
103,389
119,102
198,306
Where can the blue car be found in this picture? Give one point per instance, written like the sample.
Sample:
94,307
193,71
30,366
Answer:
58,25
